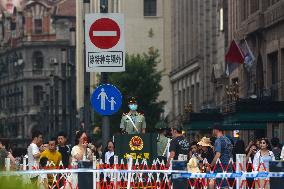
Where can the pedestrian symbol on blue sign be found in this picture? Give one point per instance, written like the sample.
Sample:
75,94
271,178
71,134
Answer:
106,99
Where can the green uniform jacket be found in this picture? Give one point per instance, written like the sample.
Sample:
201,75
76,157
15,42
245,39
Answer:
127,126
162,145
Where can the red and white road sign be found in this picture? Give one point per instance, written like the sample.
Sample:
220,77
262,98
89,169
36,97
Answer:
105,42
104,33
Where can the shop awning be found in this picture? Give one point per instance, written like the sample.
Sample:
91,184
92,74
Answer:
248,115
256,117
207,125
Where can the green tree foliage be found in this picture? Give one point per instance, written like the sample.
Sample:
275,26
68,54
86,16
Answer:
141,80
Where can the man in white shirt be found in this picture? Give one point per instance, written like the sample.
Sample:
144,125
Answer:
33,149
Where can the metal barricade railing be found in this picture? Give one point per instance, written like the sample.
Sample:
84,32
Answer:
157,175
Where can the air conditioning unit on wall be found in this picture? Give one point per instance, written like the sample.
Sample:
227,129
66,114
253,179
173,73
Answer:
53,60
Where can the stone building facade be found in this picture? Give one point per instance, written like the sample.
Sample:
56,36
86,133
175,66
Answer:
260,23
37,61
197,55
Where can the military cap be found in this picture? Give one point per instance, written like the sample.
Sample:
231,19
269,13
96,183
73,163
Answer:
132,100
161,125
177,127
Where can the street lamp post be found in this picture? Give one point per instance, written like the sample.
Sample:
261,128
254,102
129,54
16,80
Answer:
72,88
64,96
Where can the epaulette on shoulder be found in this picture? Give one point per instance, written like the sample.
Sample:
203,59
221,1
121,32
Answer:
140,113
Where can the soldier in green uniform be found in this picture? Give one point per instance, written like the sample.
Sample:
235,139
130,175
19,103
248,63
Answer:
162,141
133,122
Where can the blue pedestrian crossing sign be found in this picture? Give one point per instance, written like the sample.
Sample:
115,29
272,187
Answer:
106,99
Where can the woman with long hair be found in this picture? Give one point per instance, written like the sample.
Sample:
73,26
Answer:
81,152
261,161
109,152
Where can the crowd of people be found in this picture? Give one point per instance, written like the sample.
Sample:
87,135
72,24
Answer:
41,154
55,153
58,150
222,147
258,153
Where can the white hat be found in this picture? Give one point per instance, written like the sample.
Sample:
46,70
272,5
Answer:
205,142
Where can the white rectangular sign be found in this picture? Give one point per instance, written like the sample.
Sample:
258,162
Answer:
105,42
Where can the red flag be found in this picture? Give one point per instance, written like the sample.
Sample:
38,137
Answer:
235,54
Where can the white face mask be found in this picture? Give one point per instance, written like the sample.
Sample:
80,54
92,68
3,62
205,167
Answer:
133,107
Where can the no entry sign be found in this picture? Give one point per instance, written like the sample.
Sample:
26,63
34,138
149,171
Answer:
104,33
105,43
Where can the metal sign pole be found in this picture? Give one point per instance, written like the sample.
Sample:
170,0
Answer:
87,125
104,80
105,54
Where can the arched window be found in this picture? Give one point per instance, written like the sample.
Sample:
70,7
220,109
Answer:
37,62
38,25
259,76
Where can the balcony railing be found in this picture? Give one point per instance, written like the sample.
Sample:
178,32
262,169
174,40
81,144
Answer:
26,74
228,108
274,14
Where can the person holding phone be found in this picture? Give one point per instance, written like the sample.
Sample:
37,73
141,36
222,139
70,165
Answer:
81,152
252,151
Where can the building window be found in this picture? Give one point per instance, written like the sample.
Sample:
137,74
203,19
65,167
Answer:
22,98
179,103
273,74
1,100
38,92
37,61
183,101
2,129
254,6
275,130
197,94
150,7
259,76
274,1
104,6
7,99
38,26
192,97
13,129
268,3
244,9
